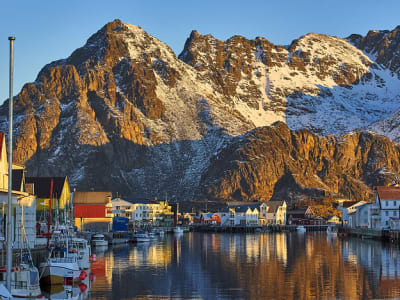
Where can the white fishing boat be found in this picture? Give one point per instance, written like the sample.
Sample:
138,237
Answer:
332,230
58,269
141,236
301,229
177,230
83,252
98,240
61,266
24,281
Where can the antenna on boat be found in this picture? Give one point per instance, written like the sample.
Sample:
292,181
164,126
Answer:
10,141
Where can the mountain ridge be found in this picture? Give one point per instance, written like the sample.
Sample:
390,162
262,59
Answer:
124,113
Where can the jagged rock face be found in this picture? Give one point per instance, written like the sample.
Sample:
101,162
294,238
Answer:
297,84
123,113
275,162
384,45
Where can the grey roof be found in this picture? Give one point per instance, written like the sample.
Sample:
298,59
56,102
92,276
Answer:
242,208
274,205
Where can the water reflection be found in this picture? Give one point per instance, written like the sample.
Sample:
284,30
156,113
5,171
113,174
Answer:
258,266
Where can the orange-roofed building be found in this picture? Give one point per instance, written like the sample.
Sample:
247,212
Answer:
92,210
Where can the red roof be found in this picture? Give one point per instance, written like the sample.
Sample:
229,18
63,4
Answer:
90,211
388,192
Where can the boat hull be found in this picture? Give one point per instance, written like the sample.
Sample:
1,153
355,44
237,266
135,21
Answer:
57,273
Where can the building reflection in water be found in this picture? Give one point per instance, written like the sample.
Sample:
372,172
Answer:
253,266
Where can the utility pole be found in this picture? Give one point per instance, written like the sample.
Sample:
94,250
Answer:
10,141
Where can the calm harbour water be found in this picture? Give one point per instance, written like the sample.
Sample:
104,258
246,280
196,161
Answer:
253,266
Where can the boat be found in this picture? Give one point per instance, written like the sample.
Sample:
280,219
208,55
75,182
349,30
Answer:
301,229
152,235
24,281
177,230
4,293
98,240
141,236
59,267
83,251
332,230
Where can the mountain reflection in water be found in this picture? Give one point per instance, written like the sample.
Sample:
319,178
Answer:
253,266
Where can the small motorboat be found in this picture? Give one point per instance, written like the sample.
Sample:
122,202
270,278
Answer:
141,236
301,229
98,240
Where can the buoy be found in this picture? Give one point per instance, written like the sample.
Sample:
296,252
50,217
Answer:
74,251
83,287
83,275
90,258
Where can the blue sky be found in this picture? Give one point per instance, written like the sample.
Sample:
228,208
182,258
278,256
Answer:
50,30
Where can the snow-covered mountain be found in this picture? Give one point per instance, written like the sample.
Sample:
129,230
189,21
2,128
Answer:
123,113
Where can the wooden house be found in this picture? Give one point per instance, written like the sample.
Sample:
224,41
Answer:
92,210
41,188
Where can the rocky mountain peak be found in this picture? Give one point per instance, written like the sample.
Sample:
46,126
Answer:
384,45
124,113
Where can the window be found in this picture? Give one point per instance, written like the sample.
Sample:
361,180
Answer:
386,213
387,203
394,202
118,207
395,213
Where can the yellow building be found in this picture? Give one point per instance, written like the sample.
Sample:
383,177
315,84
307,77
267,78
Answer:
41,188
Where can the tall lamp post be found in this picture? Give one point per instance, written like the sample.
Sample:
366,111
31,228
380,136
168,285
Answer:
10,141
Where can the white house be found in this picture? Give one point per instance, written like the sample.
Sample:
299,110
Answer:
240,215
358,214
227,216
121,208
385,206
24,204
276,212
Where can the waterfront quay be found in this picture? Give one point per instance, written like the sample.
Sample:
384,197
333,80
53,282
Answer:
254,229
386,235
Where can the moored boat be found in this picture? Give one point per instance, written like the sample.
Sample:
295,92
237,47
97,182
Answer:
152,235
141,236
83,251
56,270
98,240
24,281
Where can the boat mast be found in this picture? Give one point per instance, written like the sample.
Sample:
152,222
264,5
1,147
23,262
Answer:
10,141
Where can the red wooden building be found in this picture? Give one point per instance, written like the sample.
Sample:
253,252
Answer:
92,210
